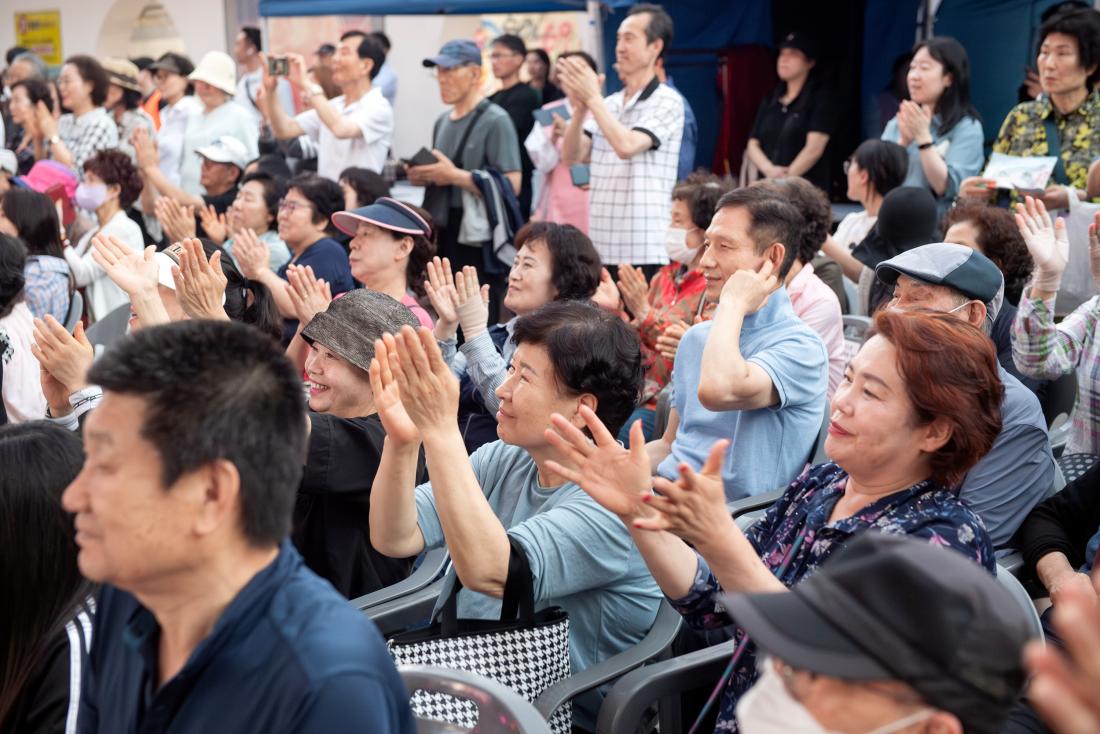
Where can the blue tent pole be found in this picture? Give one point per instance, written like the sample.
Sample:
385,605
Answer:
595,30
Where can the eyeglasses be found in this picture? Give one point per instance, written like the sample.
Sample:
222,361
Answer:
290,206
64,81
498,55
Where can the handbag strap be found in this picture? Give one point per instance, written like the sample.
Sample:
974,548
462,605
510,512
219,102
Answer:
1054,148
458,159
519,594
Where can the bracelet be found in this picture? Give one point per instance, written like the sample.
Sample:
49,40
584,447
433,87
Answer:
925,146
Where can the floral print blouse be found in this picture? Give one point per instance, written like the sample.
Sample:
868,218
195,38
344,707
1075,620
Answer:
1023,133
795,537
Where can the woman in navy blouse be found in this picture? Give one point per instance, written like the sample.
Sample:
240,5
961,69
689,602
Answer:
918,407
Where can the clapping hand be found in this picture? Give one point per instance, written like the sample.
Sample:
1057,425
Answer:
634,291
214,224
1094,249
135,272
44,121
387,396
145,150
669,340
200,284
64,360
428,388
694,506
578,80
309,294
914,123
471,302
177,220
1047,242
440,287
617,478
607,294
251,253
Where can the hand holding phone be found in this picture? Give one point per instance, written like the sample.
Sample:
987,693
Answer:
545,115
423,157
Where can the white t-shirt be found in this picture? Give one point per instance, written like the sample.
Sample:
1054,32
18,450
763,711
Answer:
23,399
854,228
373,115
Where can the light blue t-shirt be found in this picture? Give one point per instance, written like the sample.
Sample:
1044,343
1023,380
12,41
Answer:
770,446
961,149
582,559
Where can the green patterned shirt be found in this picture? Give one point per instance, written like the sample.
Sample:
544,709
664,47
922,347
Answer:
1023,133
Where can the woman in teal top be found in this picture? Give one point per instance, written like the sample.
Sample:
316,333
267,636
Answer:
938,126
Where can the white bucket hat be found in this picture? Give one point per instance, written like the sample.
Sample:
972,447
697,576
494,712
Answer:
218,70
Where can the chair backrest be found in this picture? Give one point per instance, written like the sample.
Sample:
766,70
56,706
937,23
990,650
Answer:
109,329
500,710
76,310
818,455
432,565
1019,593
855,333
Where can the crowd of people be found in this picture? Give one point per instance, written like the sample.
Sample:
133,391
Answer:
244,380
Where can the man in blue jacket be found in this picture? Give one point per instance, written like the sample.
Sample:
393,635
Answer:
207,619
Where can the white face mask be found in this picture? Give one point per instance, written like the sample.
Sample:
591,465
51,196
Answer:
677,247
769,708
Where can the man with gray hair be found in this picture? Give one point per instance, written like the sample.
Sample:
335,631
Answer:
331,516
1018,472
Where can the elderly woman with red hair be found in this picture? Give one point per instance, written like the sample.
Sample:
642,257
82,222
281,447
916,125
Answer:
918,407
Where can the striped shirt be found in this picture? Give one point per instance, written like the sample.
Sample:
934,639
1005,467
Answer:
1045,350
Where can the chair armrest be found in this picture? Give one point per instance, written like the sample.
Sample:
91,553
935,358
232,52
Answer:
431,567
1013,562
397,614
656,643
626,703
756,502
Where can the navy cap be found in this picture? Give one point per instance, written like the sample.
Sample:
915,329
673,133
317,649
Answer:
800,42
386,213
943,263
455,53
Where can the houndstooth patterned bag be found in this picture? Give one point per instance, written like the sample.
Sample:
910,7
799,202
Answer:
528,654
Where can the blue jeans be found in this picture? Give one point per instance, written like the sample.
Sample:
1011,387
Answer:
649,418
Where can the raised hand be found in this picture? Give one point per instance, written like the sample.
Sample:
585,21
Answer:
135,272
64,359
617,478
177,220
387,396
694,506
1047,242
607,294
1094,249
440,287
634,290
471,302
214,224
200,284
309,294
747,290
428,389
669,340
252,254
44,121
145,150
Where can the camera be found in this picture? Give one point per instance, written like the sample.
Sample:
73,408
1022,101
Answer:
278,66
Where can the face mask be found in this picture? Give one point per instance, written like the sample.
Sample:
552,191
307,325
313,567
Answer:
90,196
677,247
769,708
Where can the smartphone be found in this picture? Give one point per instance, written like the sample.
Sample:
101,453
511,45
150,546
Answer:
63,203
579,173
278,66
545,115
423,157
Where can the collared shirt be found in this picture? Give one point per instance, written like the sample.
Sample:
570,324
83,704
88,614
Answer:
47,286
628,202
961,148
372,114
206,127
1046,350
86,135
677,293
770,445
287,655
817,305
795,537
479,360
174,120
1024,133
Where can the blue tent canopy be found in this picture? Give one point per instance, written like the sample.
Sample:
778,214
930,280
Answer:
422,7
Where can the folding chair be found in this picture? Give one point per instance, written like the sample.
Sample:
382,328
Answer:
76,310
1011,584
500,710
433,564
109,329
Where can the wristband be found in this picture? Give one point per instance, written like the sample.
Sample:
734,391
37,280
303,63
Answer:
925,146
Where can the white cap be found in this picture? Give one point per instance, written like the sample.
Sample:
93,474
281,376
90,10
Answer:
166,259
8,161
218,70
226,149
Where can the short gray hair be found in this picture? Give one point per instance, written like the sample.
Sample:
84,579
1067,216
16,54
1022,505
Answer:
41,71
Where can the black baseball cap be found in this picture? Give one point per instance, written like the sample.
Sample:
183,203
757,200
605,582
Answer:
173,62
802,42
891,607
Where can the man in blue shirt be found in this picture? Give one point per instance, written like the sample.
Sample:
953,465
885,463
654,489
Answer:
207,619
1018,472
756,374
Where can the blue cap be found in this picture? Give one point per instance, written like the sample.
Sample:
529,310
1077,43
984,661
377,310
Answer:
956,266
386,213
455,53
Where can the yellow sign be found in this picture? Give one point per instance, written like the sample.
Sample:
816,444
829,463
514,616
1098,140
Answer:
41,33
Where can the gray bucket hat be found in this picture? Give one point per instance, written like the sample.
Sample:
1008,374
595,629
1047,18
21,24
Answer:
352,322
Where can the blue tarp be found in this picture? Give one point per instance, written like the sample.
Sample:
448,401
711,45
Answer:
421,7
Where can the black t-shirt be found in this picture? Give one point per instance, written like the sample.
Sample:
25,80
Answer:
520,102
221,204
782,129
332,514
